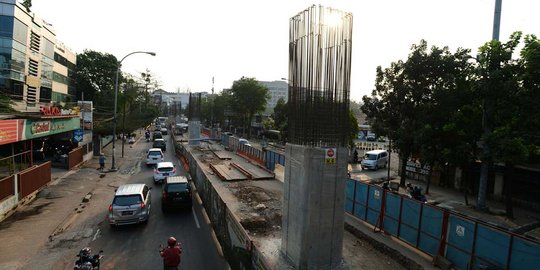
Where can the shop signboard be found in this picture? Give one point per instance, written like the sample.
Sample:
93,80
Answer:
35,128
10,131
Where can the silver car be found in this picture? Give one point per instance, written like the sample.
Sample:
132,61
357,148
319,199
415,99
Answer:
131,205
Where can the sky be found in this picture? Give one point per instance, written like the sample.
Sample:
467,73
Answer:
196,40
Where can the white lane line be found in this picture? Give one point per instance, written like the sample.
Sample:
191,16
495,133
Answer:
195,217
95,235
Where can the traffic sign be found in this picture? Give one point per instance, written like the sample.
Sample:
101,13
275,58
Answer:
78,135
330,157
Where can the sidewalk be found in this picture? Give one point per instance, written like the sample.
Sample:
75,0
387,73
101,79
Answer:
56,218
455,201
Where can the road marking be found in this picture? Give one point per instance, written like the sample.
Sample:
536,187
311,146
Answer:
195,217
95,235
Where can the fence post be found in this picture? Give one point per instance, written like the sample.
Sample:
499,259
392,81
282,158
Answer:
444,234
367,203
509,252
400,212
419,224
354,198
473,254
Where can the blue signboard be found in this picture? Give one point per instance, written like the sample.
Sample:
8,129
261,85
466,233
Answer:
78,135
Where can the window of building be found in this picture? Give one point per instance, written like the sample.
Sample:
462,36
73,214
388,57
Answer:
45,94
6,26
20,32
7,9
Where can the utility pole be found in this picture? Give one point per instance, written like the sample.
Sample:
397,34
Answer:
212,106
486,116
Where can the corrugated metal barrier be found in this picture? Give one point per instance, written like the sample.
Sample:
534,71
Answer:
467,243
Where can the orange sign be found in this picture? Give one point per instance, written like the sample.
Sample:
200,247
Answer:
9,131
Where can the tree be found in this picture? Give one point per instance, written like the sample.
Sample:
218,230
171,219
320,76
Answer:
95,77
6,104
248,97
27,4
499,89
406,95
281,118
353,128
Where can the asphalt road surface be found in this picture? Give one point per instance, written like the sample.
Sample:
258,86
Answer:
137,246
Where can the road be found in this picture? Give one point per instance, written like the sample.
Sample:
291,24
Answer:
136,246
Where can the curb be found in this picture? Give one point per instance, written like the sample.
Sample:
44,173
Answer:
396,255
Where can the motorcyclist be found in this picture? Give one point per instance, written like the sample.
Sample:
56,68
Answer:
147,135
85,255
171,254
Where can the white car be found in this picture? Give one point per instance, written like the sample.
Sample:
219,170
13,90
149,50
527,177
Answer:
244,142
164,170
154,156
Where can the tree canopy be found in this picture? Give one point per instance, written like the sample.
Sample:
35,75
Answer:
248,97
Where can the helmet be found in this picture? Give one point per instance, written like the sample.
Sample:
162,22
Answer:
85,251
171,242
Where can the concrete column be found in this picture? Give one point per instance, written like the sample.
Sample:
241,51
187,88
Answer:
313,207
194,132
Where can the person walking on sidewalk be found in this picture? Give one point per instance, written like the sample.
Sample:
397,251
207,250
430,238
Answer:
101,161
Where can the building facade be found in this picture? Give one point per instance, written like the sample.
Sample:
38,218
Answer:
277,90
35,69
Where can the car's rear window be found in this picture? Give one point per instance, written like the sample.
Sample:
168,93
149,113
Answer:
166,169
178,187
127,200
371,156
154,153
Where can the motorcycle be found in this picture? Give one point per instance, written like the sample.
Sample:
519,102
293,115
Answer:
147,135
416,193
87,261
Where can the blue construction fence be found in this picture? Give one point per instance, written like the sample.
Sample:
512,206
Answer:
466,243
267,157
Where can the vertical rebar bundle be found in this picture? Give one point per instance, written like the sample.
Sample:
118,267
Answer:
194,106
320,44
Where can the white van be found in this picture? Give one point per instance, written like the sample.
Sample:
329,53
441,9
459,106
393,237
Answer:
375,159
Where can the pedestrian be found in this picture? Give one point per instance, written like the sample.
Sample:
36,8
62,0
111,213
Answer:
171,254
102,161
355,156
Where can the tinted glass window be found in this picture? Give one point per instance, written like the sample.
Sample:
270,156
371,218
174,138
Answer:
371,156
6,26
166,169
154,153
178,187
127,200
20,31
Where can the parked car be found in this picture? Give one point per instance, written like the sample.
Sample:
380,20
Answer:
176,194
131,204
154,156
244,142
371,137
163,170
131,140
164,130
160,143
157,135
375,159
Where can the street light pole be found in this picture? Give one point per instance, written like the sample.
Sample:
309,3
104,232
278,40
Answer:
113,168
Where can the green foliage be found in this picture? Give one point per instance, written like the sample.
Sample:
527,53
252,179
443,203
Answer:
27,4
248,97
280,116
6,104
353,128
95,77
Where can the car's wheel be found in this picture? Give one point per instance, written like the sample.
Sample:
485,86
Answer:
376,167
163,208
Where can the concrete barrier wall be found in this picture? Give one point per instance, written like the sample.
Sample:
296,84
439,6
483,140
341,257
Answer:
237,247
